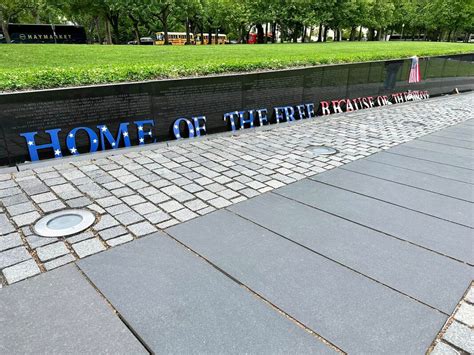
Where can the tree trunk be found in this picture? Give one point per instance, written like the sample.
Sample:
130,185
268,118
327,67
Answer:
325,34
265,40
209,40
353,33
165,30
97,28
360,34
379,34
6,34
303,36
202,35
274,26
188,34
136,31
108,33
320,32
259,32
114,21
217,36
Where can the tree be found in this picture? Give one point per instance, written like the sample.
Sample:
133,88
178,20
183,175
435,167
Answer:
189,12
161,10
9,10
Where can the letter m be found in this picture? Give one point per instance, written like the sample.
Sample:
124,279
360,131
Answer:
114,142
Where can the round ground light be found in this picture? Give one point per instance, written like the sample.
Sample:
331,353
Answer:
64,223
323,150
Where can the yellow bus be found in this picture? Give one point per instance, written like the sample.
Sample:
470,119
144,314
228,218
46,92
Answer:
221,39
175,38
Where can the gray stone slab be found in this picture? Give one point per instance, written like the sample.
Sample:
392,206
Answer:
424,166
461,137
178,303
461,130
371,253
447,141
444,207
456,189
443,158
357,314
60,313
430,232
441,148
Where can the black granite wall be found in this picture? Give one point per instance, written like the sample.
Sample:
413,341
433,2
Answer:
166,100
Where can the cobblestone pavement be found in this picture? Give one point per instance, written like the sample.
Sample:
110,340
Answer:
457,336
137,192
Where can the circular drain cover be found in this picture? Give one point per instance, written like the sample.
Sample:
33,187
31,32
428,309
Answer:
323,150
64,223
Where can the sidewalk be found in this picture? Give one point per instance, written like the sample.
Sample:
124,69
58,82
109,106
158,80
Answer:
372,256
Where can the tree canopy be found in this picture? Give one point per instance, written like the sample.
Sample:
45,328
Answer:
119,21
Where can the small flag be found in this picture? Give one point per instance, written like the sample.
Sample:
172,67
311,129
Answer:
415,75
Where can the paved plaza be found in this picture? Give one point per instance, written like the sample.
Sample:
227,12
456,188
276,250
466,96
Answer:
252,243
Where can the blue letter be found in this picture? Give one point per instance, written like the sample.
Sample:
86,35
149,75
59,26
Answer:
289,113
301,112
71,140
262,116
231,117
199,125
33,148
176,129
122,131
243,121
278,114
310,110
142,133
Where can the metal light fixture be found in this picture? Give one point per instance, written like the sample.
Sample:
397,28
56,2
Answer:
323,150
64,223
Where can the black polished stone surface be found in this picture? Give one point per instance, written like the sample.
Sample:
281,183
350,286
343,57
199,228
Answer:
165,101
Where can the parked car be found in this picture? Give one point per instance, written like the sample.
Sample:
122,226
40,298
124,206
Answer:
143,41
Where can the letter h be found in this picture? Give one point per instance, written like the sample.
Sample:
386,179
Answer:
33,148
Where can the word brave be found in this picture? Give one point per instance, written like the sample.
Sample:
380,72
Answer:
101,137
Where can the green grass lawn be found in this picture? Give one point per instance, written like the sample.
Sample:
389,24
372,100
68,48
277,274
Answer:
48,66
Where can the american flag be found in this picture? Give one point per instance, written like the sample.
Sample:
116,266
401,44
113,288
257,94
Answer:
415,75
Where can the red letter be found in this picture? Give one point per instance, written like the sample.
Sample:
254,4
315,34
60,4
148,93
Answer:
336,105
325,108
349,106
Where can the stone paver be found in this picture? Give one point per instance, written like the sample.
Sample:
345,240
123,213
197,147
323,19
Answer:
10,241
361,249
415,227
88,247
20,271
188,306
52,251
460,336
320,293
163,186
433,204
457,336
58,313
